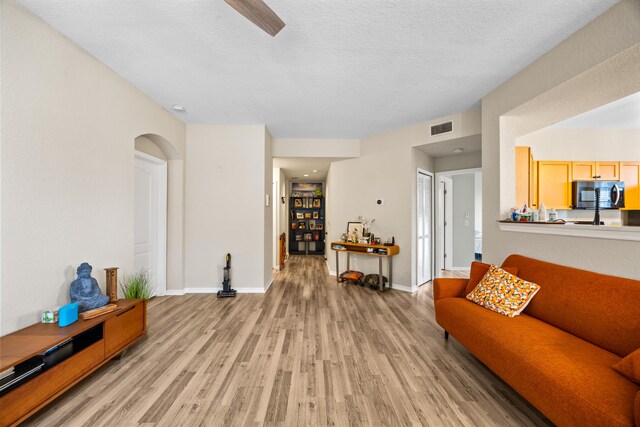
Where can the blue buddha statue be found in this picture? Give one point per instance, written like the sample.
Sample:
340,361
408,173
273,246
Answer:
85,290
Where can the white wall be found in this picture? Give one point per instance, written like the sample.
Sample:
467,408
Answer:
352,188
597,65
298,147
67,143
227,179
268,241
583,144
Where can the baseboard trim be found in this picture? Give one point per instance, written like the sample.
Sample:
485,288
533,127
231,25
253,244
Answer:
179,292
402,288
268,285
457,268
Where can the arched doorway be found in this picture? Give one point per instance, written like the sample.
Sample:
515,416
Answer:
158,203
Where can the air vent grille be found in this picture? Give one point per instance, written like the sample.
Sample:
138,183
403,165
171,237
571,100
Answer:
441,128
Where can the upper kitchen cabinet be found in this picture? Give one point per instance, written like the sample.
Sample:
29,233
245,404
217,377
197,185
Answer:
526,178
599,171
630,175
608,171
583,171
523,175
554,184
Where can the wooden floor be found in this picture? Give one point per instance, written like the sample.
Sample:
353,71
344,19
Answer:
309,352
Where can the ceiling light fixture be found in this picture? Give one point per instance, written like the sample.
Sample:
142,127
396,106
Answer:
306,174
178,108
458,150
315,171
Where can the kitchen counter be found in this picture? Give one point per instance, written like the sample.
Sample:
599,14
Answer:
575,230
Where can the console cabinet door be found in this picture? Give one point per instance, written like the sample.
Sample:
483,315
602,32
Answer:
123,328
554,184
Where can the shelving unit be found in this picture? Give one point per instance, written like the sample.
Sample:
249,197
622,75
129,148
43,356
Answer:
306,225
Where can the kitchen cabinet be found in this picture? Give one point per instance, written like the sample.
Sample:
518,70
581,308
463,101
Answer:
533,182
523,175
608,171
630,175
599,171
554,184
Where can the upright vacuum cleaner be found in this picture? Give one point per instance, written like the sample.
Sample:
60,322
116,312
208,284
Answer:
226,282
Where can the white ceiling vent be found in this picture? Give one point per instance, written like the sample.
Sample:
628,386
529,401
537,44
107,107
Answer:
441,128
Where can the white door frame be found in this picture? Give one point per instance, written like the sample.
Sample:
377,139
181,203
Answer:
444,237
448,265
161,234
432,235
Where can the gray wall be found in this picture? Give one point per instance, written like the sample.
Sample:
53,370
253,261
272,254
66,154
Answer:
463,227
457,162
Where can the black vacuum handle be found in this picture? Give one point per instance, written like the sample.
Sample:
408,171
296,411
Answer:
228,260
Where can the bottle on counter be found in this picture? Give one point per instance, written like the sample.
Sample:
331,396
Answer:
535,216
543,213
553,215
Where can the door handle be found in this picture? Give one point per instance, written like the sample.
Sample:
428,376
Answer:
615,187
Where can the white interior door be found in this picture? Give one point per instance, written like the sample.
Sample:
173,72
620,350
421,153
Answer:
424,223
150,220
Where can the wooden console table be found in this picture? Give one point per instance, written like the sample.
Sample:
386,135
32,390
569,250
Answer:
95,342
379,251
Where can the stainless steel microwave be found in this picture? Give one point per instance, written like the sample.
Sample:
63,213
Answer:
611,194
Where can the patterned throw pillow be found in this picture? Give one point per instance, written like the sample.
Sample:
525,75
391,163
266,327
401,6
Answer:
502,292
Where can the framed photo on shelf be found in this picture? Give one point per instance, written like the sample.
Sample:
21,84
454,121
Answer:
299,215
312,225
315,214
294,226
307,215
307,237
316,236
302,225
298,237
355,226
317,203
319,226
297,203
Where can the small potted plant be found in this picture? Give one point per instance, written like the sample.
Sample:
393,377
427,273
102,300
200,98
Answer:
137,286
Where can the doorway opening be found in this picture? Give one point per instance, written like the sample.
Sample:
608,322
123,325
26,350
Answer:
459,206
424,227
158,233
150,220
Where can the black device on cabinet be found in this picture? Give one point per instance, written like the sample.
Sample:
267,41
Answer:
306,226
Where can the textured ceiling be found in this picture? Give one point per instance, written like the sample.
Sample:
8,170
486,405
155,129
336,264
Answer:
339,69
621,114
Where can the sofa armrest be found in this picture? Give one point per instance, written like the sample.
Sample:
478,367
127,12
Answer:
448,288
637,409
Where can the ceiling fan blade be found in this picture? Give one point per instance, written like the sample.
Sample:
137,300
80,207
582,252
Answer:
259,13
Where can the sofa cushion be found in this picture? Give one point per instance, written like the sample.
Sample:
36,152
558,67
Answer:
570,380
503,292
630,366
478,270
604,310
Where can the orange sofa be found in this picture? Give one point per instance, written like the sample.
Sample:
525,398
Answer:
558,353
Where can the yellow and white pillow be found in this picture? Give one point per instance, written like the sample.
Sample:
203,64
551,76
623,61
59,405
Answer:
503,292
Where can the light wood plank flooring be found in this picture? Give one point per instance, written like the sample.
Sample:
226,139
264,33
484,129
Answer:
309,352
